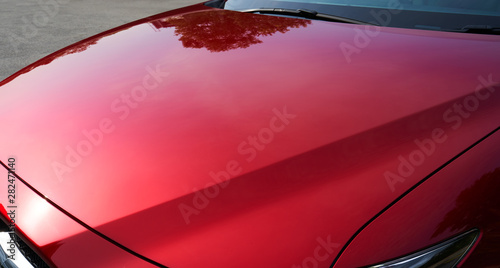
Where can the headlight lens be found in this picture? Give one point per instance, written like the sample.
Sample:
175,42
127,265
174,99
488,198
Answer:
10,254
444,255
5,262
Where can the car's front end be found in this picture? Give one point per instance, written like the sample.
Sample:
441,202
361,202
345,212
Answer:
208,137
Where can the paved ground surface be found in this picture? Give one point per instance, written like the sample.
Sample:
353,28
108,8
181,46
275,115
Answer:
32,29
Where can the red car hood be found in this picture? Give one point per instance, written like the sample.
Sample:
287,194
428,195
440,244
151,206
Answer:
212,138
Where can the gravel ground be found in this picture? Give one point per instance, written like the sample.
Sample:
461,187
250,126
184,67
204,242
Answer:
32,29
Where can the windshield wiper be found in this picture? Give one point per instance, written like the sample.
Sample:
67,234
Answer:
304,13
479,29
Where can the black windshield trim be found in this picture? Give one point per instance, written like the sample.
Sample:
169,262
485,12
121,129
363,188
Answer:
304,13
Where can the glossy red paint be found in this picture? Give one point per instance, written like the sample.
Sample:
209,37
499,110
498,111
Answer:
78,247
460,197
137,164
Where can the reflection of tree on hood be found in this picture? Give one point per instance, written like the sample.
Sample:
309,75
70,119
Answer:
478,205
225,30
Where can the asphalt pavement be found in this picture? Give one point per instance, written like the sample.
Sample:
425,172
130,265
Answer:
32,29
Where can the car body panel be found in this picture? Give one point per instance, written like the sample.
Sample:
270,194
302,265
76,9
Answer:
73,246
460,197
137,164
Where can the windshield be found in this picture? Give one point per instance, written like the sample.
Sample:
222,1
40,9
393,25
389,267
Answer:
443,15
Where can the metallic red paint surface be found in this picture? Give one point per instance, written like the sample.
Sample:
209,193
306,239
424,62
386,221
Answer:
462,196
314,178
77,248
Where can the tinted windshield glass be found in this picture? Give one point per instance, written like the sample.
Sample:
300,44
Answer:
422,14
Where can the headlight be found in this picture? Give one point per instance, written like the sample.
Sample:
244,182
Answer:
5,262
10,254
14,252
444,255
